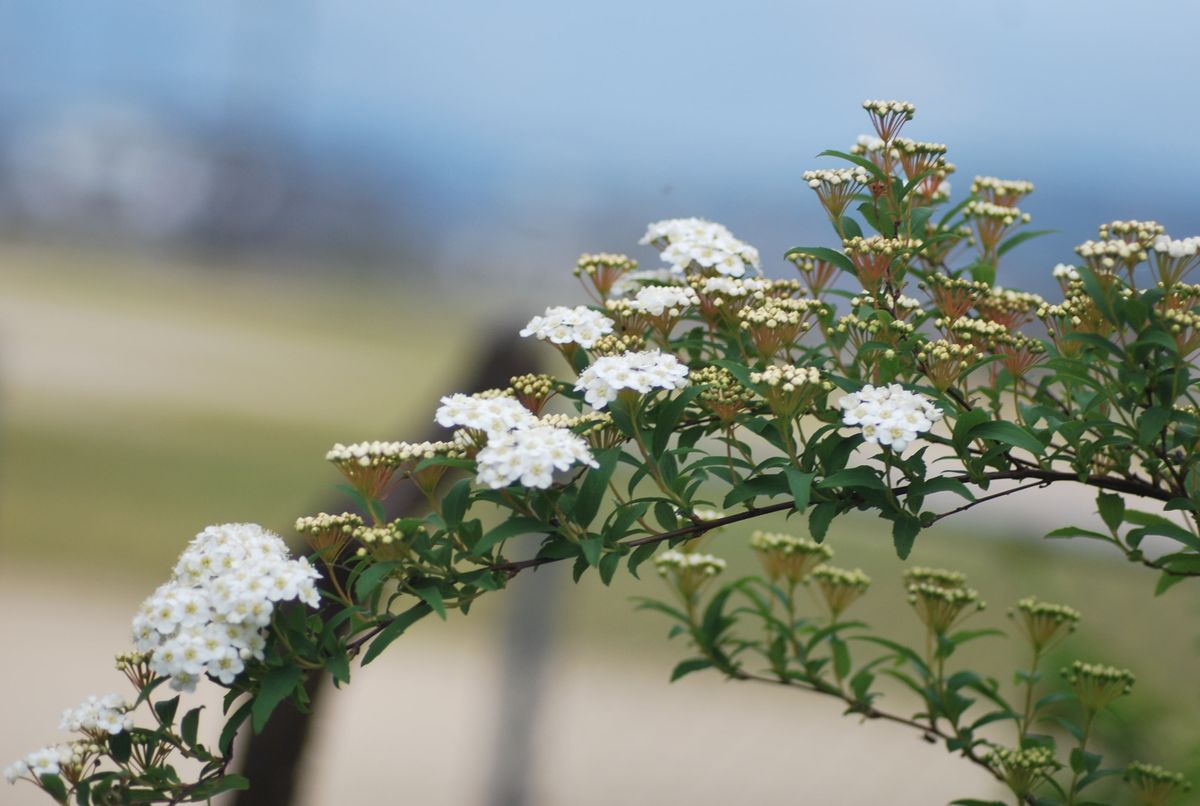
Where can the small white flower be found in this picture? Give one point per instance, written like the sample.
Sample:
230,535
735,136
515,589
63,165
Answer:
530,456
490,414
889,415
640,372
563,325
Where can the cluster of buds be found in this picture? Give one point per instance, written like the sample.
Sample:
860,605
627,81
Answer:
836,188
1004,192
1153,785
1044,624
874,258
618,344
1024,768
328,534
873,148
840,587
1175,259
721,393
1076,314
603,271
786,557
533,391
874,329
1010,308
688,572
1096,685
791,390
940,598
136,668
596,427
775,324
1106,257
992,223
980,333
388,542
817,274
1184,326
1142,233
898,305
371,466
889,117
1018,353
954,296
944,362
917,158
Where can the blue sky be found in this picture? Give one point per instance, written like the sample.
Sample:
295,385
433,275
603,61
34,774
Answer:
535,116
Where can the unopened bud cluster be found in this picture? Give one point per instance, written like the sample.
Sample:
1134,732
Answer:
1097,685
784,556
840,587
1044,623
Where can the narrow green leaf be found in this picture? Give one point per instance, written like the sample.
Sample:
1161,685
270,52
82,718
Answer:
279,683
190,725
454,505
54,787
512,528
432,596
1009,434
824,253
819,519
800,486
904,533
395,629
1112,509
232,724
1020,238
686,667
594,487
1151,423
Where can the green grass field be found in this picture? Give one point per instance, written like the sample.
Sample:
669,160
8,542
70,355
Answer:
139,403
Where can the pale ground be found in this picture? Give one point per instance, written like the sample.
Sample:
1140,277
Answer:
417,727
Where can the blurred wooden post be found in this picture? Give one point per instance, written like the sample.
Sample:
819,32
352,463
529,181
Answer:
272,760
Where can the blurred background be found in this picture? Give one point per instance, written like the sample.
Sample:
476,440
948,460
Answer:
233,233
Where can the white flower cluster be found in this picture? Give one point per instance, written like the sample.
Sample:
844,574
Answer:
685,241
836,176
675,560
489,413
640,372
562,325
889,415
1183,247
98,716
211,617
49,760
659,299
530,456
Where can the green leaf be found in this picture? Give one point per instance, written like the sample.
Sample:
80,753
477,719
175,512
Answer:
686,667
823,253
800,486
841,657
512,528
1022,237
54,787
853,477
608,566
226,783
165,709
372,577
904,533
395,629
120,746
667,417
819,519
279,683
862,162
454,505
640,555
189,725
1112,509
591,546
339,668
850,227
594,487
432,596
1151,424
232,723
1075,531
1166,582
1009,434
